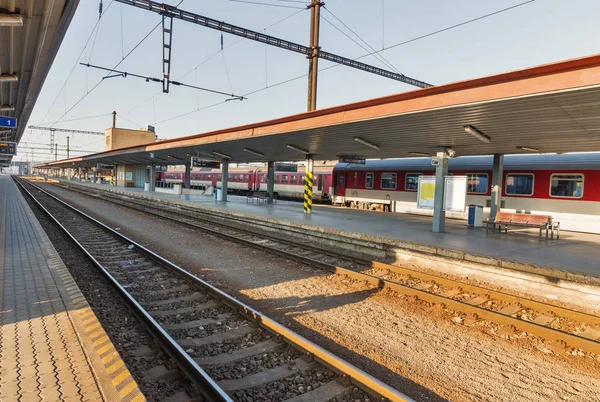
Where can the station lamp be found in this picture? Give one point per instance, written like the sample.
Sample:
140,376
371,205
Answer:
298,149
253,152
365,142
478,134
8,77
11,20
224,156
418,154
528,149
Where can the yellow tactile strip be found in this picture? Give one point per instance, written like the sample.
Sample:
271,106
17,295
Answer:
111,375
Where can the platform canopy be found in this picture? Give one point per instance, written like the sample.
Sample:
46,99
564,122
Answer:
544,109
31,32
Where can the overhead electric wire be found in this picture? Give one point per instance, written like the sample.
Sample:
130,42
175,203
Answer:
76,61
336,65
381,58
263,4
113,69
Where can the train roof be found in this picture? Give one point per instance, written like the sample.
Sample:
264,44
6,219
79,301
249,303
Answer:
573,161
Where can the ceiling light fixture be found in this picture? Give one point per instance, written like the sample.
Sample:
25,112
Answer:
225,156
253,152
174,157
295,148
419,154
9,78
477,134
7,108
11,20
365,142
528,149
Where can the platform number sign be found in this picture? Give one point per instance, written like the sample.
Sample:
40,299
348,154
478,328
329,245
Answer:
8,122
8,148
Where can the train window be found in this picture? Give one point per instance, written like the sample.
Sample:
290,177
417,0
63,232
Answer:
263,178
369,179
341,180
566,185
519,184
276,178
477,183
246,177
284,178
388,181
411,181
293,179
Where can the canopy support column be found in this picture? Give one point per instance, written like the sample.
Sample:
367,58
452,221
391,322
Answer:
441,171
188,176
152,179
497,178
79,174
270,182
225,172
308,184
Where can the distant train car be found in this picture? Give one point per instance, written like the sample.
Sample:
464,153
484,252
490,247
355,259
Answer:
565,186
246,180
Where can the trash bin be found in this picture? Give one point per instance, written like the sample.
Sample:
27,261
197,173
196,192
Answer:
146,186
218,194
475,217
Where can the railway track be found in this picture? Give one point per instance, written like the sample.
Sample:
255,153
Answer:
230,350
566,329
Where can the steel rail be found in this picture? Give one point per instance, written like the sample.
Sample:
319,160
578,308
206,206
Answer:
494,294
209,387
356,375
572,340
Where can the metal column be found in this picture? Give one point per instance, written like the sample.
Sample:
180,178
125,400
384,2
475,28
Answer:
188,176
270,182
115,174
94,175
497,176
152,176
308,184
225,172
441,171
313,59
79,171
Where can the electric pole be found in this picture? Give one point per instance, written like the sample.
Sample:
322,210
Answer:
313,58
55,151
68,147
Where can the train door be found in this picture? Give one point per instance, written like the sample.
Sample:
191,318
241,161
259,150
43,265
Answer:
339,188
320,182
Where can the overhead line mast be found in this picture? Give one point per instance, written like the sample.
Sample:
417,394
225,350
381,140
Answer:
312,52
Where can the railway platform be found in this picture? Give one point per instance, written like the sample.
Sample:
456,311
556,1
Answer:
572,257
52,346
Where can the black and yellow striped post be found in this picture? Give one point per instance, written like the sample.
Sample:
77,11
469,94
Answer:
308,185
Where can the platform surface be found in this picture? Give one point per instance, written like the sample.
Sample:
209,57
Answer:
574,252
51,345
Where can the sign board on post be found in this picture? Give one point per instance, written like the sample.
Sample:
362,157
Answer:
357,160
8,122
203,163
455,193
286,167
425,192
8,148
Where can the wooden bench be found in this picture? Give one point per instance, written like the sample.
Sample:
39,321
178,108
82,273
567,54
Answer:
259,196
543,222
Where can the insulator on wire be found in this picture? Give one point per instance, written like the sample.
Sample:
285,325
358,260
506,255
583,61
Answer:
100,10
221,40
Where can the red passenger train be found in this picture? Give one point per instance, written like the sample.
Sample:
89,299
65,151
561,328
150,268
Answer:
565,186
246,180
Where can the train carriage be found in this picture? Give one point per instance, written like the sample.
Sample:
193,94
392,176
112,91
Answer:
565,186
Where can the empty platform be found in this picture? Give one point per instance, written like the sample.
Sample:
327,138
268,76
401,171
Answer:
52,347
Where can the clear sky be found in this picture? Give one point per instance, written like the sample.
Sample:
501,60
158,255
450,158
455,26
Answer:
539,32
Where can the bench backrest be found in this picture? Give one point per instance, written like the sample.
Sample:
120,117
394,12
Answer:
503,217
522,218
